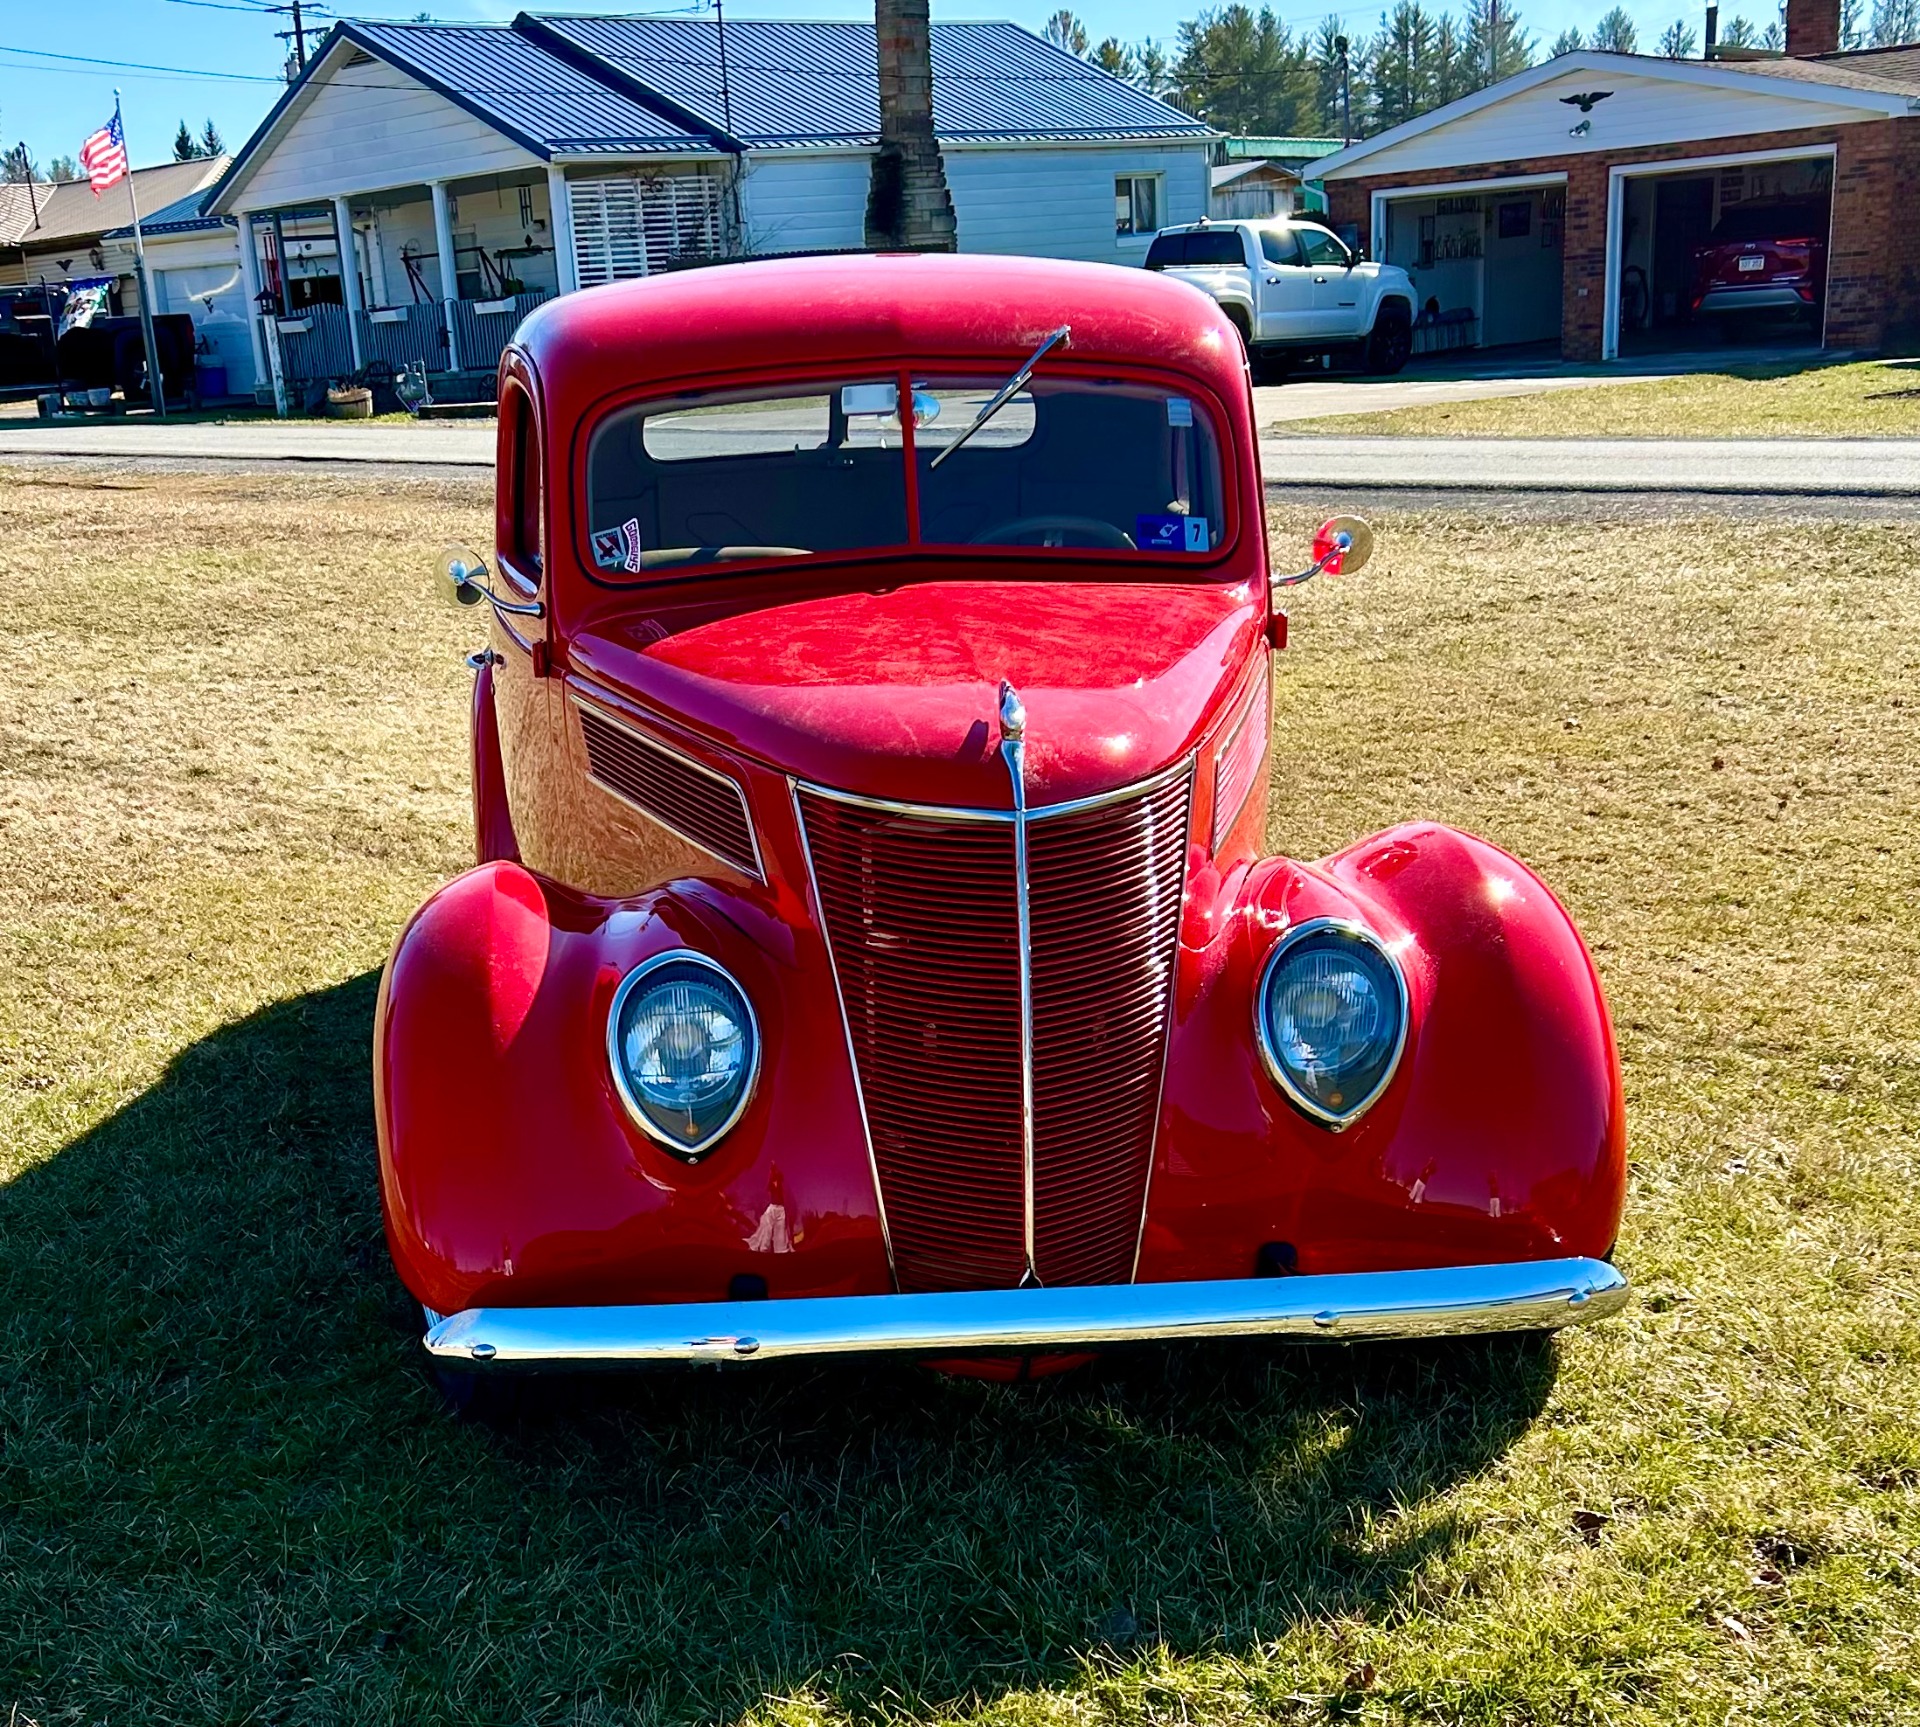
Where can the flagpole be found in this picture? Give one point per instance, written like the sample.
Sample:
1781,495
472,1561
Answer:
156,384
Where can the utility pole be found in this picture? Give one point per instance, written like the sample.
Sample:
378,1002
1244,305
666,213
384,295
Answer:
1346,89
1493,40
297,36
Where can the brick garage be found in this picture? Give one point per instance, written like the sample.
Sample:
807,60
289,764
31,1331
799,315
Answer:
1594,171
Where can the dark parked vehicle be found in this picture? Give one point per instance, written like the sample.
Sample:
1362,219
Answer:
1764,258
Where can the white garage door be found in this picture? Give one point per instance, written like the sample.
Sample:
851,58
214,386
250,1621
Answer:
216,299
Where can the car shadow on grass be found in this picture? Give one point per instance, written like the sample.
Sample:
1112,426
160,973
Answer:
226,1487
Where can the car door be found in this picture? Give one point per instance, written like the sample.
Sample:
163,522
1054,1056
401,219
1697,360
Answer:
1337,288
1285,287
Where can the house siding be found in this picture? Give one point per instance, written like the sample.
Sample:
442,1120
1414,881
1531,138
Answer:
375,127
810,203
1058,203
1873,266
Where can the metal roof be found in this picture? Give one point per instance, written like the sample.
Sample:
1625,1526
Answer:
182,216
533,95
799,84
71,211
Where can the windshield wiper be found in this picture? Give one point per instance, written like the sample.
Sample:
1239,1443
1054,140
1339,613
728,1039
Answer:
1007,391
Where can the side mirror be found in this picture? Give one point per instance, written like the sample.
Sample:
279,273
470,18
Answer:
1343,546
463,575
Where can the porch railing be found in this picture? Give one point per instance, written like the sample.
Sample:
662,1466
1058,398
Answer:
484,327
401,336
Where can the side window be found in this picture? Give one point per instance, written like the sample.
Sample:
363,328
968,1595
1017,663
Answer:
1215,246
520,511
1168,252
1322,249
1136,203
1279,246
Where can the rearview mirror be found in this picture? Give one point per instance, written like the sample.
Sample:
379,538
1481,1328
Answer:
1343,546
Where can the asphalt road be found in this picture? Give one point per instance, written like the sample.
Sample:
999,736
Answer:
1752,467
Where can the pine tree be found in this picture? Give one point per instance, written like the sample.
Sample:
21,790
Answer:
211,143
1677,41
1567,42
1246,73
1338,118
1615,34
184,147
1064,30
1153,73
1739,33
62,168
1402,70
16,164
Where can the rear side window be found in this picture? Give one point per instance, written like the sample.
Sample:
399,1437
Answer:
518,524
1772,222
1216,246
1167,251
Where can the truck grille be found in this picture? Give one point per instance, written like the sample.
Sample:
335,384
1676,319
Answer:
922,918
696,802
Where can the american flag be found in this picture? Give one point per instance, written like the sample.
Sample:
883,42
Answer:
104,156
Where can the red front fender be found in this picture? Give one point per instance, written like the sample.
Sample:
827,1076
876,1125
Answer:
509,1171
1501,1136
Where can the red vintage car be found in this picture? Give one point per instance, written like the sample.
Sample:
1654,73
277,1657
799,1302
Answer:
873,945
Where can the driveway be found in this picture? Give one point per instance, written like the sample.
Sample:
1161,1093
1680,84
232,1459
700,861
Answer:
1473,378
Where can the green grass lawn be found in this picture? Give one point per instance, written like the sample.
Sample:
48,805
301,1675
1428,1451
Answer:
232,759
1796,399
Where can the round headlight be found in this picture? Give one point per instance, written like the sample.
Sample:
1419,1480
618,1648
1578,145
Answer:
684,1048
1331,1017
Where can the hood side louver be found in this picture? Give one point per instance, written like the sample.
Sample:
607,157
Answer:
699,803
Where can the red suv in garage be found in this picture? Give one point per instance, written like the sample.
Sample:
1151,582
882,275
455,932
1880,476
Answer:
1763,258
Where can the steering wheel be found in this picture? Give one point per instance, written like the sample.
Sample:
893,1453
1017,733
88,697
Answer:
1094,532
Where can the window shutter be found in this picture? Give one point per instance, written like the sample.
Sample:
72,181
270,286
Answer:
624,227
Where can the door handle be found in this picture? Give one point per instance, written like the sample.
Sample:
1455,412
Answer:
1273,281
1321,280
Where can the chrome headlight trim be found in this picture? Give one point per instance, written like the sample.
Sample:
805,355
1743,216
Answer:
636,1110
1277,1070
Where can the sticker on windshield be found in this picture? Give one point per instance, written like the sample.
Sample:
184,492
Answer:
1179,411
618,548
1171,533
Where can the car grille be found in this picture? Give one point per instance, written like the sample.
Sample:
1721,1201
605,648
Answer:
696,802
922,918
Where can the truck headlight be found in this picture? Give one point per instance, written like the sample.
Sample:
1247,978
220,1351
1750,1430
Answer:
1330,1016
684,1048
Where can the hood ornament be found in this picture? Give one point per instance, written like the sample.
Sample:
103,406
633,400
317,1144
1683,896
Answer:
1013,713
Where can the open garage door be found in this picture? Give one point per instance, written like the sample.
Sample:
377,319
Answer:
1485,262
1726,252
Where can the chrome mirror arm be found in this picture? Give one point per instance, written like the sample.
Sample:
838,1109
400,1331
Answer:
468,588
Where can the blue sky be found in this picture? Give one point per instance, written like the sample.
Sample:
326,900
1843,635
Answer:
53,104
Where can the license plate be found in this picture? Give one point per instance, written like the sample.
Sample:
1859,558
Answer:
1753,263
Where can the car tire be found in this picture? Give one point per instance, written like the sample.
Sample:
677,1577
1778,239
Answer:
1390,342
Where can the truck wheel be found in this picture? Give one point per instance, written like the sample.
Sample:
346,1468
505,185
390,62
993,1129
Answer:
1391,343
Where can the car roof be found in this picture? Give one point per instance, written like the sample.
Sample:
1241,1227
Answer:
870,311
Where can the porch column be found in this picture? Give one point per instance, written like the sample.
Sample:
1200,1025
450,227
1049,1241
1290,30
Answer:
560,225
349,275
250,280
449,273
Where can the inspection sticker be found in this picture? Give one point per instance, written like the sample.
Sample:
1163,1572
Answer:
1171,533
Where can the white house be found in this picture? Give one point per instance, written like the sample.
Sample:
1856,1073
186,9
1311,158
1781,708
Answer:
470,171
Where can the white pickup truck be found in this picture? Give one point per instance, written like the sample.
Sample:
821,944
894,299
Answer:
1294,289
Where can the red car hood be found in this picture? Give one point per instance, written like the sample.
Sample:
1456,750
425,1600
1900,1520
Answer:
894,693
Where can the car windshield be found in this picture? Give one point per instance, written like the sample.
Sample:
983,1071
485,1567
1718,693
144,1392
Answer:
1069,462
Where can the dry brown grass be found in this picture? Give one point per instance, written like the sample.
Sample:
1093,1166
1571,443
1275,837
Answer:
232,759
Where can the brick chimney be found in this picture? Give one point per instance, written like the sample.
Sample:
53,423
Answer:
1813,27
908,203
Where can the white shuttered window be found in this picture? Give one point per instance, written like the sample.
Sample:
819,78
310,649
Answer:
629,226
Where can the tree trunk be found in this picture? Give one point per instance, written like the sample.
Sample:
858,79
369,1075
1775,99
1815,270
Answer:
908,204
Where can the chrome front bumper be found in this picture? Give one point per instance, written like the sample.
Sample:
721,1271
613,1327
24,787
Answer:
1457,1300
